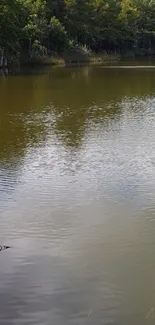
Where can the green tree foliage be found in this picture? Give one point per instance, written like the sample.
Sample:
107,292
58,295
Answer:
10,23
58,38
41,27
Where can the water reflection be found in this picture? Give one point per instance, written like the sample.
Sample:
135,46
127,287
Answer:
77,193
70,97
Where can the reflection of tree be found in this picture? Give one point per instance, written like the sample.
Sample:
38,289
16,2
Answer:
93,94
71,122
73,97
69,125
20,102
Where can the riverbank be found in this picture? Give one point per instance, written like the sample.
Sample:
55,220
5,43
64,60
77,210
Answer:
72,57
80,57
84,57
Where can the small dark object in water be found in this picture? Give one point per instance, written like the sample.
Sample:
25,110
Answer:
2,248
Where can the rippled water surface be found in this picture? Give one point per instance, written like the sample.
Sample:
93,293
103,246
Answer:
77,196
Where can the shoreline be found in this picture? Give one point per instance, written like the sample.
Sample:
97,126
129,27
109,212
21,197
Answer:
67,60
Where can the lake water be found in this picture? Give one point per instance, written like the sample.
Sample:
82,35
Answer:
77,196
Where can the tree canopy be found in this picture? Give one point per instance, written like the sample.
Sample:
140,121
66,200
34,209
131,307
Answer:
38,27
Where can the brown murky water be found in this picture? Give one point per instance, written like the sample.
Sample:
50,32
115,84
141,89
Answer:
77,196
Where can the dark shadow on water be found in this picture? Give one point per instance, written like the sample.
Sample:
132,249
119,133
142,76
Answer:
3,248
